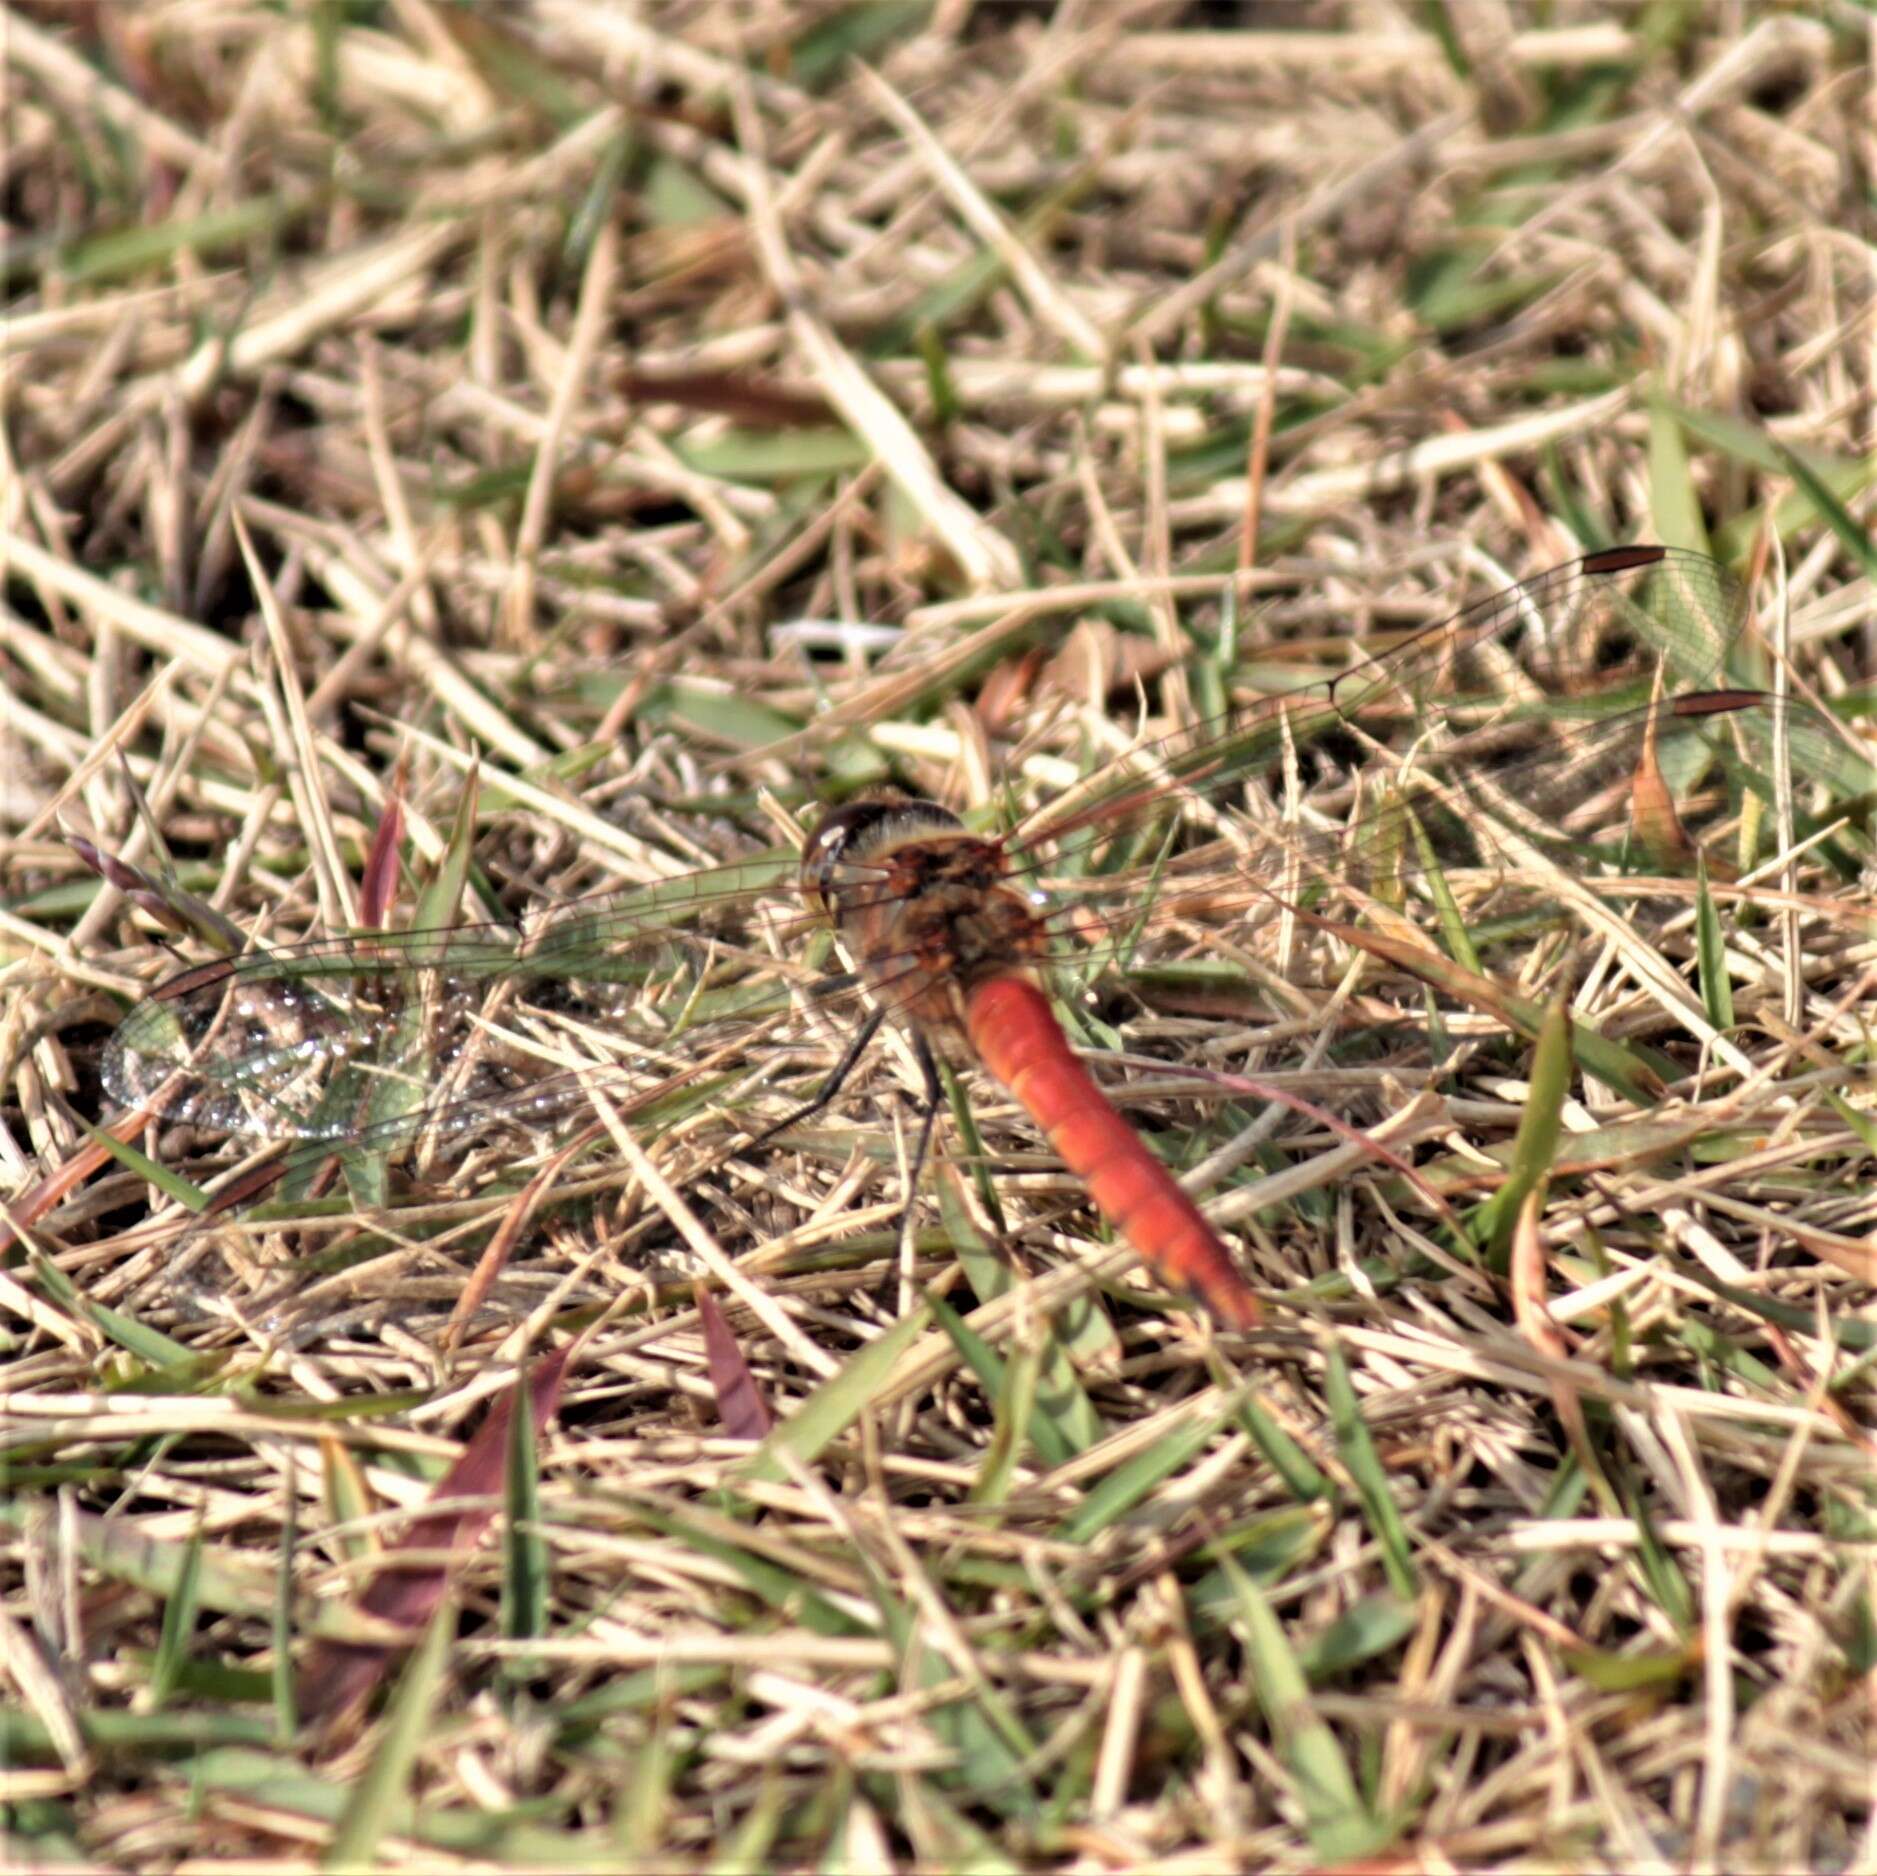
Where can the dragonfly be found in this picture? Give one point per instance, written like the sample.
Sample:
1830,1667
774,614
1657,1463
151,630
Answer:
1583,722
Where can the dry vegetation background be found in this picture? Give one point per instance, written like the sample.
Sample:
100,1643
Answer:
610,391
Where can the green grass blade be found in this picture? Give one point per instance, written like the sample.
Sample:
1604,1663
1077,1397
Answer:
382,1789
1065,1421
1015,1401
1536,1144
1853,533
1717,991
1282,1453
441,901
1672,498
837,1403
172,1185
1130,1482
147,1344
1366,1472
179,1621
280,1676
1453,926
1363,1631
1338,1823
524,1611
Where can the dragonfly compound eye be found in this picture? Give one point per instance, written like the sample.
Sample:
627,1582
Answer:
821,858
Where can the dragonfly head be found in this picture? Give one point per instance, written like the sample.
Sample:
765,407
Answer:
860,831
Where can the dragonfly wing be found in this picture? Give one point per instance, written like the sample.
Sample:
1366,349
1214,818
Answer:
1551,725
368,1043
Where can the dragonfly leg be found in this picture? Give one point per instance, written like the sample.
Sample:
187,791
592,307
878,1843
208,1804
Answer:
922,1146
837,1076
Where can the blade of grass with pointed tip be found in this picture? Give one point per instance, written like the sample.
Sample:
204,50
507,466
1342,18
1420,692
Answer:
1638,1074
993,1375
1010,1429
179,1621
729,717
837,1403
1364,1630
1083,1337
1660,1571
347,1498
1854,534
506,1839
524,1551
440,902
1282,1453
1625,1674
1826,483
226,1582
286,1705
1062,1403
171,1184
1863,1125
1337,1822
782,1588
598,200
1673,503
971,1144
149,1345
773,456
1130,1482
938,376
512,68
1453,925
980,1726
639,1826
1717,990
25,1737
750,1848
1793,513
403,1596
1367,1474
1535,1146
384,1785
98,258
824,49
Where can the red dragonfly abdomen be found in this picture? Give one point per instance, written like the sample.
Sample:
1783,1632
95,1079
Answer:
1018,1039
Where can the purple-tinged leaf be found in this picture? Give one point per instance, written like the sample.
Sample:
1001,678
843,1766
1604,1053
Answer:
740,1404
340,1674
163,899
379,885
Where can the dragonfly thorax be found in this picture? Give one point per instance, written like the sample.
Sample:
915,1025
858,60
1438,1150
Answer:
925,908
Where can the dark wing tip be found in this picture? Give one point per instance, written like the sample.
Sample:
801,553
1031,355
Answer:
1622,559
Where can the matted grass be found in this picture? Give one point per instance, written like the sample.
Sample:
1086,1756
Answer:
458,460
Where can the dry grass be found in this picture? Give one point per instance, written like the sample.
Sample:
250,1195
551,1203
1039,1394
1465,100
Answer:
686,414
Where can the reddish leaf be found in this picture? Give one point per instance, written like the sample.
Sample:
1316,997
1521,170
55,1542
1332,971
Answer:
755,401
1007,688
339,1674
740,1405
163,899
380,883
32,1205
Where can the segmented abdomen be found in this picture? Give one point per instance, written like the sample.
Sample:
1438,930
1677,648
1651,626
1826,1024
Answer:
1018,1039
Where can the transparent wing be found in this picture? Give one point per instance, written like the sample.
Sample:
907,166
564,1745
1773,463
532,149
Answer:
362,1046
255,1044
1651,791
1552,720
1571,722
1542,661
